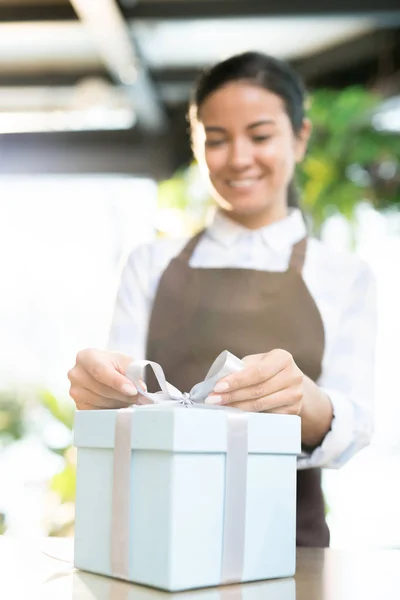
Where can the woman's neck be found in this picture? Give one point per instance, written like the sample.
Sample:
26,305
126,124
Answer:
257,220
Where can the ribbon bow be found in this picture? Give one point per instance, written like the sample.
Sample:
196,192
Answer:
223,365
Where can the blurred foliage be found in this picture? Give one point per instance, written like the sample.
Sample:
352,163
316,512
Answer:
25,413
12,426
348,161
64,483
61,411
2,523
183,202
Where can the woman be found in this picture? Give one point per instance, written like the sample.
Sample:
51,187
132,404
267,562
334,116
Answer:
253,283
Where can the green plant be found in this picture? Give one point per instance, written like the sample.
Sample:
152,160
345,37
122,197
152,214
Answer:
346,159
24,412
12,425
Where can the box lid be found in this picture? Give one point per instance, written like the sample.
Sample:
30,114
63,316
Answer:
188,430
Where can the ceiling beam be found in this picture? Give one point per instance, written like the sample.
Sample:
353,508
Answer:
45,12
176,74
106,26
129,152
107,29
203,9
351,54
46,79
332,61
326,63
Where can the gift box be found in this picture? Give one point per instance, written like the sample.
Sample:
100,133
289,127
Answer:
178,495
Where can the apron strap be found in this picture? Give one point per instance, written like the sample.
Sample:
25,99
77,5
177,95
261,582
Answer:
296,260
298,256
186,254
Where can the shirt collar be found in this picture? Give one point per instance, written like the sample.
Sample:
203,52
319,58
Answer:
281,234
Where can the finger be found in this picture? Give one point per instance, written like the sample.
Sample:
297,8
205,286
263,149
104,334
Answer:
81,378
265,388
107,371
87,400
261,370
286,401
284,410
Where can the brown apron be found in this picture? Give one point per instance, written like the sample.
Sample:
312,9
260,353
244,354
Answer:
199,312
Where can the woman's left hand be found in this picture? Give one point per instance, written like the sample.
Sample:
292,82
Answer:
270,382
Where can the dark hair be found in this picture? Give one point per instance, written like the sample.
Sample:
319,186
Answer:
261,70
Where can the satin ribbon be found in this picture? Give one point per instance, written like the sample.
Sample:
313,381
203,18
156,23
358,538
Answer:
222,366
235,472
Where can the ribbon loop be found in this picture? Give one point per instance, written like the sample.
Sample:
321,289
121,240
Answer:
167,391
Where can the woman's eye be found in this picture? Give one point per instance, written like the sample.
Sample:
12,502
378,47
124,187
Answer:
213,143
258,139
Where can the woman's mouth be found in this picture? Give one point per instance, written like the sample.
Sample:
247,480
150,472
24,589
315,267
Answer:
243,183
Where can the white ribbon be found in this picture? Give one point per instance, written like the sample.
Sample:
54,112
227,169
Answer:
235,472
223,365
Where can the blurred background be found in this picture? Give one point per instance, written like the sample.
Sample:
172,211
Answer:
95,158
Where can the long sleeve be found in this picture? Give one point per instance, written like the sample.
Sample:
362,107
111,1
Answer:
132,307
348,377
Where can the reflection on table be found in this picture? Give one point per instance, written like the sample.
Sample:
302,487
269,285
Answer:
43,569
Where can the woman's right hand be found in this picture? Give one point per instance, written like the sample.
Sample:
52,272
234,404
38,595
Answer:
98,380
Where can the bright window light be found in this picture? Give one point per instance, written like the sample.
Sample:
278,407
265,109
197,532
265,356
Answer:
93,119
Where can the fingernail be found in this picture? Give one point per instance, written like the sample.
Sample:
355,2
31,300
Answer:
222,386
213,400
129,389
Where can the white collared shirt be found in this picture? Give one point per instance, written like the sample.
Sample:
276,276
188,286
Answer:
342,286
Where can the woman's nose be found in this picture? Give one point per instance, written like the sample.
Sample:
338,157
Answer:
240,155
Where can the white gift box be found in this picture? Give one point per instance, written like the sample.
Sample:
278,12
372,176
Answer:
175,487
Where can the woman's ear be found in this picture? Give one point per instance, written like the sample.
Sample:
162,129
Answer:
302,139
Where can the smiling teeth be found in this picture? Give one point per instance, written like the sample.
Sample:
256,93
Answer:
242,183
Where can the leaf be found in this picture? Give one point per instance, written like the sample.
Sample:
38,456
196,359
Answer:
61,411
64,483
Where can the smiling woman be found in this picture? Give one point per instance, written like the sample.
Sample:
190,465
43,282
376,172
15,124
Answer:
301,316
250,132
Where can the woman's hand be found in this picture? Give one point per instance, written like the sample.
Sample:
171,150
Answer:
273,383
270,382
98,380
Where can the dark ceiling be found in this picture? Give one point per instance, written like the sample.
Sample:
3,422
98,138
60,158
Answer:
367,53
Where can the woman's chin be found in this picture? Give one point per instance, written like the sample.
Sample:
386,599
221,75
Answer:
254,214
247,206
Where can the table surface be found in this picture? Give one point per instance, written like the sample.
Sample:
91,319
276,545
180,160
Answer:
28,570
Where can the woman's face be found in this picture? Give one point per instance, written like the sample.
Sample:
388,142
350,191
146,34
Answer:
245,139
